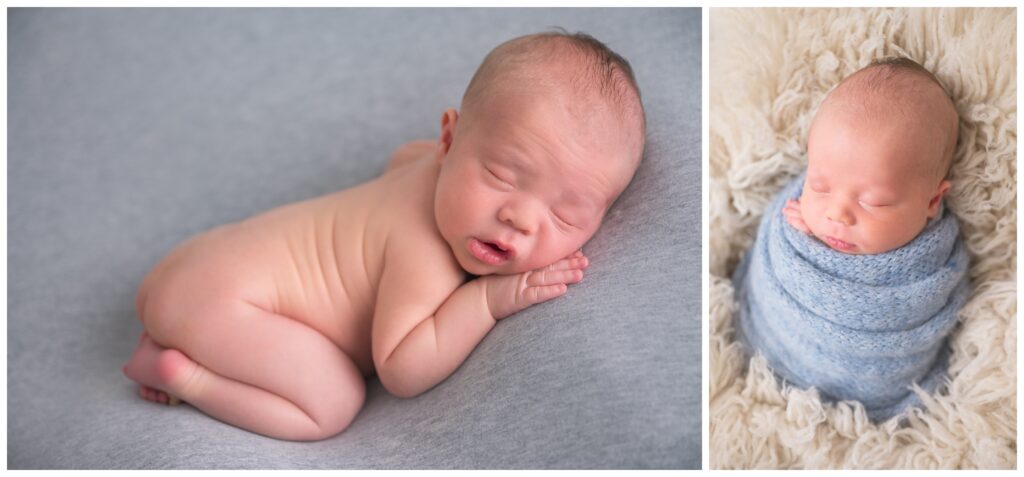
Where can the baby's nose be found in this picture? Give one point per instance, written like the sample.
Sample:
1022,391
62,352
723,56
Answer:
518,217
839,214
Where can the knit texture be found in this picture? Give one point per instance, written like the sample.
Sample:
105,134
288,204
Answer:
856,327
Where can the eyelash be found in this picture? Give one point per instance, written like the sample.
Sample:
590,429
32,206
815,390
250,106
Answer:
498,178
562,221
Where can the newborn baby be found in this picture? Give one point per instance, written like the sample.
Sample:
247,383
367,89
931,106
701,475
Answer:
878,153
273,323
858,271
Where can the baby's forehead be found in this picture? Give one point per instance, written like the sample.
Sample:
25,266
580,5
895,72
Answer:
559,85
538,123
590,83
895,90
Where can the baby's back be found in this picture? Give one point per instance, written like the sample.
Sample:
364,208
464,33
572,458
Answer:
317,261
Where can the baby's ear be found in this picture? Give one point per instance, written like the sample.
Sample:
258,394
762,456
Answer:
444,141
933,204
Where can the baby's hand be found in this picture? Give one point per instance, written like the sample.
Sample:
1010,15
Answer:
794,216
507,294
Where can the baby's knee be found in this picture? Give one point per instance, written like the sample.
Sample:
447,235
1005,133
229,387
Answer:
346,405
337,412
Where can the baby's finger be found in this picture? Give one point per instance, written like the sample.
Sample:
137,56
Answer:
792,212
799,224
569,264
538,294
553,277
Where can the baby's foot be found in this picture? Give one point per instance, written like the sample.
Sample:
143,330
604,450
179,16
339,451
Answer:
158,370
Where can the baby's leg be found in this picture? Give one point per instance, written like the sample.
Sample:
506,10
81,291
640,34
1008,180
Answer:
251,368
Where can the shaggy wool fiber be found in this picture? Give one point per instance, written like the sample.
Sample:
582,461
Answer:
769,70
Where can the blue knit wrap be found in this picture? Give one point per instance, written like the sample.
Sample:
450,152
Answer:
856,327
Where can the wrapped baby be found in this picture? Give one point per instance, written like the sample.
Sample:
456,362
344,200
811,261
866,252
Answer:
857,272
272,324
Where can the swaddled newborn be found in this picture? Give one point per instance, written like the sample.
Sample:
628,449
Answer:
858,272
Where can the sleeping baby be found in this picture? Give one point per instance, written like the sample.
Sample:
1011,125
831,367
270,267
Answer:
858,271
272,324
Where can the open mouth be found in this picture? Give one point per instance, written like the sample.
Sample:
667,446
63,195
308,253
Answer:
491,253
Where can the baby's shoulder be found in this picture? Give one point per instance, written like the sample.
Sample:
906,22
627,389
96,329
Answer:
408,189
418,241
412,241
418,266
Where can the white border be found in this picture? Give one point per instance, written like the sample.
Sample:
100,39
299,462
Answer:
705,254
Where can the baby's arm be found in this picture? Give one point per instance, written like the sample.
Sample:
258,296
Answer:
794,216
426,323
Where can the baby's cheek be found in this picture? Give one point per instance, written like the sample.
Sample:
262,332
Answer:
880,236
550,248
809,213
871,237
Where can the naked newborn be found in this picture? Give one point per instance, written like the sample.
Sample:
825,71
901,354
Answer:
272,324
858,271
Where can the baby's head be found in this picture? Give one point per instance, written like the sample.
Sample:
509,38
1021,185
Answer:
549,133
879,149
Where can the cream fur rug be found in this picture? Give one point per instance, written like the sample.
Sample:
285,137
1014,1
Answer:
769,70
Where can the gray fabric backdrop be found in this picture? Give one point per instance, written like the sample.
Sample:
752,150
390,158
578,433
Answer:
131,130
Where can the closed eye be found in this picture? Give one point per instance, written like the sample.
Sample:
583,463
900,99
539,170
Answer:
562,221
870,205
498,178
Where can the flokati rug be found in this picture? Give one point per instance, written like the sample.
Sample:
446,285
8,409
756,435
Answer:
769,70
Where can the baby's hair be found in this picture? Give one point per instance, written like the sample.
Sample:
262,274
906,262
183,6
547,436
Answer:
891,65
600,69
881,76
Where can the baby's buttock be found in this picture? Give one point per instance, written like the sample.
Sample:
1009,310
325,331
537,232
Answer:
304,262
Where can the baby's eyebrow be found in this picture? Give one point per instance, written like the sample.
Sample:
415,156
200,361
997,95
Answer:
577,200
881,194
507,159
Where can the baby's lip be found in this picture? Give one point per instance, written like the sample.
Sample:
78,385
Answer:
504,247
840,245
491,252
